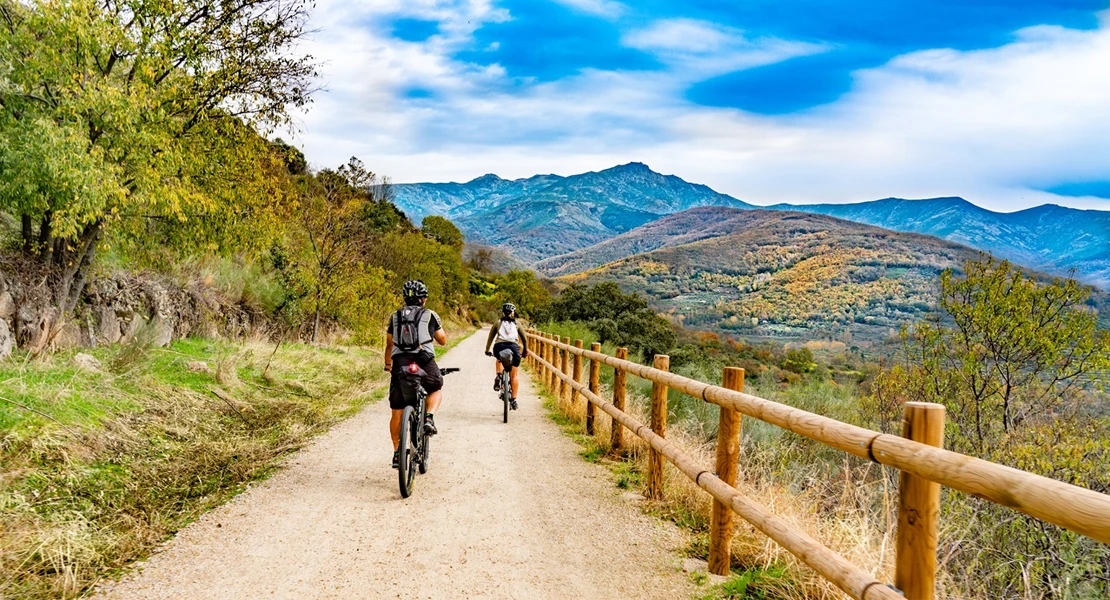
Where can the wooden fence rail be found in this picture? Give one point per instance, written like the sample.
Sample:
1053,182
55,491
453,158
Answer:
924,465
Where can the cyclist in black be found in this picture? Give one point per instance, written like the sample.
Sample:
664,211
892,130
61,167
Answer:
505,334
426,329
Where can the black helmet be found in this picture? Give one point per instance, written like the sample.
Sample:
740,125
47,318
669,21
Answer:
508,309
414,291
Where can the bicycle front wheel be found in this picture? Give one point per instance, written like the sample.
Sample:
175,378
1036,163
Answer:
406,465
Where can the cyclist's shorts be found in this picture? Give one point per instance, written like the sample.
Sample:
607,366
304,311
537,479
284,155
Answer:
432,380
499,346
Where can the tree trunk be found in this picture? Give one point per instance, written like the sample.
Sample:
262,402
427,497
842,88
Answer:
46,237
69,281
28,234
316,318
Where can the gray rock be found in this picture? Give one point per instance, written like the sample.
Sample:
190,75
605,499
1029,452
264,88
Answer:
198,366
86,362
7,305
72,335
107,329
161,331
6,340
697,565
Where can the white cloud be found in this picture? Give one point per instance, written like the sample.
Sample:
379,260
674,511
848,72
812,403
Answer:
699,49
989,125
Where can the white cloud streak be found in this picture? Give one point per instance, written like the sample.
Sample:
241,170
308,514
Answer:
602,8
990,125
699,49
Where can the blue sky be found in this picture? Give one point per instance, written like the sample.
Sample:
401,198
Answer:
1006,103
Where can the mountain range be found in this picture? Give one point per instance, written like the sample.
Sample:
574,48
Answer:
548,215
546,219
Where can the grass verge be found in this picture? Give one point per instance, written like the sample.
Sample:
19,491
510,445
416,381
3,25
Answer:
99,465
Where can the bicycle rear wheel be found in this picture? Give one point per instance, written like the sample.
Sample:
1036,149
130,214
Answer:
425,451
406,465
506,395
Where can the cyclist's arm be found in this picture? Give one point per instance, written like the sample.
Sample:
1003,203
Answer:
523,341
388,351
492,334
438,334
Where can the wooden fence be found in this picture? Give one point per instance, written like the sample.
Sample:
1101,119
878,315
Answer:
924,464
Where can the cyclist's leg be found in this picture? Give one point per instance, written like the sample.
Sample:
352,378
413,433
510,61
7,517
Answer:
516,381
434,399
397,404
395,428
433,383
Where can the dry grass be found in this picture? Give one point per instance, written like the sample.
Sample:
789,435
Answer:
854,514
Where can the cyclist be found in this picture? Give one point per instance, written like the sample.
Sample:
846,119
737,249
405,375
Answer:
505,334
411,337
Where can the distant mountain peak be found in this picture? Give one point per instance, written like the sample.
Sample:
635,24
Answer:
632,167
487,178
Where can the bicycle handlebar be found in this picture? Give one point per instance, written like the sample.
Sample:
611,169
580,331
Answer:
449,370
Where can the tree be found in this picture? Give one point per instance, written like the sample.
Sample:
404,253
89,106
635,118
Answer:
333,238
615,316
481,260
120,118
525,291
1003,351
442,231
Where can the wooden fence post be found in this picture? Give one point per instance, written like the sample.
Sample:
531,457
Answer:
659,426
545,350
619,381
595,385
548,374
564,389
728,463
531,355
918,508
577,373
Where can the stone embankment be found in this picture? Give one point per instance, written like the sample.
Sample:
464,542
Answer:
119,308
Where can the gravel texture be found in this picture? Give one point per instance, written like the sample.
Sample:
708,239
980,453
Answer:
505,511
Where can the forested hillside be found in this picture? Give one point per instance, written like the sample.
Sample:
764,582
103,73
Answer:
1050,238
776,274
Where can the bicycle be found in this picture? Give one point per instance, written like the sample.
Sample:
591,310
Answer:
506,358
414,449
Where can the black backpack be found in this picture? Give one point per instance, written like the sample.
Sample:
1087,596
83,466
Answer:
407,338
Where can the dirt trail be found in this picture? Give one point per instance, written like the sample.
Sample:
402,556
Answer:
506,511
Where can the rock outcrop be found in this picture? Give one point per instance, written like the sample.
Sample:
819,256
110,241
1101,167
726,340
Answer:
118,308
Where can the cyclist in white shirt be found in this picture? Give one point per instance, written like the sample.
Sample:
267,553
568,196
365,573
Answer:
502,335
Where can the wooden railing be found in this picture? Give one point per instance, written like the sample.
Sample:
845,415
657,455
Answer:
919,455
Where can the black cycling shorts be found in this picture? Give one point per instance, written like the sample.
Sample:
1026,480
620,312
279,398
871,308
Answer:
432,379
499,346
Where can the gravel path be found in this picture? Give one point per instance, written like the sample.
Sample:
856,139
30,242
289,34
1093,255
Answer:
506,511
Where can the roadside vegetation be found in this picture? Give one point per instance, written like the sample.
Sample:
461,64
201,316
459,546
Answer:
101,464
1017,362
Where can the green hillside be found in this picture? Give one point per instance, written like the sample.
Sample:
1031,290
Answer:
778,274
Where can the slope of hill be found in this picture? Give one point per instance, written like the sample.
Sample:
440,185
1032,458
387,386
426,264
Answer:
547,215
1051,238
776,274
